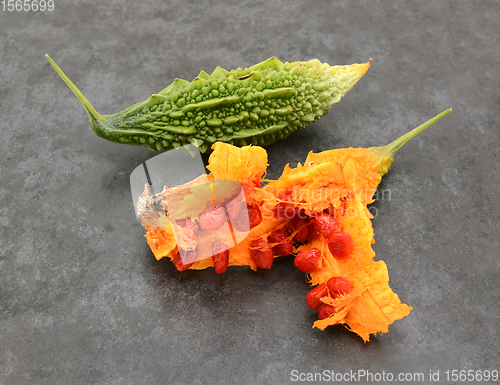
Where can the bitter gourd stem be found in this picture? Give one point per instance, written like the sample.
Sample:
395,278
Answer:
99,123
387,152
77,92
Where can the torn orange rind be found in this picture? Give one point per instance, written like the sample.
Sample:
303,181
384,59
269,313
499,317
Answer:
335,185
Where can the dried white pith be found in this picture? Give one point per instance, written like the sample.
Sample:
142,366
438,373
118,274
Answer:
151,208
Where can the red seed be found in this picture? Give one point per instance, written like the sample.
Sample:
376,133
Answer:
188,223
340,245
326,311
283,249
313,297
339,285
220,256
261,253
302,235
302,228
284,210
326,224
239,222
212,218
277,236
254,216
308,260
313,233
287,208
189,256
279,242
234,207
189,237
186,261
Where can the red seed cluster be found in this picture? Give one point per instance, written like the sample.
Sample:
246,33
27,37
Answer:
333,288
299,229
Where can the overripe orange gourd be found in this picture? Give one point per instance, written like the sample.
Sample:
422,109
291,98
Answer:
336,185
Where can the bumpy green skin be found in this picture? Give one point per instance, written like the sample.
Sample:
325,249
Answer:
256,105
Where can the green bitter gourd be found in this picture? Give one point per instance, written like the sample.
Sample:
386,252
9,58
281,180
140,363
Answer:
256,105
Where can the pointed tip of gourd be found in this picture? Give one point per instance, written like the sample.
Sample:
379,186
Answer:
350,74
359,69
387,152
365,66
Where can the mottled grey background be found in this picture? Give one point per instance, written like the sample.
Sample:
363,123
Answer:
82,299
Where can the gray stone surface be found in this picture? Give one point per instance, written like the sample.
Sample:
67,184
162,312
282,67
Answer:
82,299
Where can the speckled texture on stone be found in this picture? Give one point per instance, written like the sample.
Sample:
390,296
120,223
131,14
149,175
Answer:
82,299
